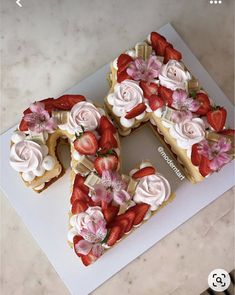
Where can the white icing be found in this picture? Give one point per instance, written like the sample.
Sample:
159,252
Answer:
48,163
18,136
141,116
145,164
44,150
28,176
76,155
127,122
131,53
83,114
39,171
188,132
26,156
153,190
172,75
115,64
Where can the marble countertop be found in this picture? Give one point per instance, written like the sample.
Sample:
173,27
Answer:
48,46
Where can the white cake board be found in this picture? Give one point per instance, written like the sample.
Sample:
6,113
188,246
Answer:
46,215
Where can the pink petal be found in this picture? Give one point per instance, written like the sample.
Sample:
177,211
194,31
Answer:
100,192
83,247
219,161
91,227
121,197
97,250
37,107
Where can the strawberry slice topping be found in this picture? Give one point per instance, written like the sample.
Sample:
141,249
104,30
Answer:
107,140
216,118
204,167
114,234
79,182
110,213
86,143
227,132
166,94
205,105
159,43
121,76
140,210
149,88
67,101
78,206
195,156
106,162
136,111
144,172
171,53
156,102
105,123
123,61
88,259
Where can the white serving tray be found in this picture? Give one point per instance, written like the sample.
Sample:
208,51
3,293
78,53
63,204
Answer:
46,215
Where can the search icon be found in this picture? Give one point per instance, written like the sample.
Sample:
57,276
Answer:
219,280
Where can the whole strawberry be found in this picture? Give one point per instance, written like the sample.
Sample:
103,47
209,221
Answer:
216,118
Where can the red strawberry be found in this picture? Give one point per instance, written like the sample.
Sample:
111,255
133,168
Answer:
216,118
23,125
86,144
106,124
48,103
156,102
67,101
76,239
157,39
106,162
166,94
107,140
205,105
78,207
88,259
114,235
140,210
149,88
79,182
204,168
171,53
79,195
128,215
139,109
195,156
144,172
121,76
123,61
227,132
124,224
110,213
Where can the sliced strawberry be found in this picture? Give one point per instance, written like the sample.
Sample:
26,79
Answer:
166,94
48,103
123,61
140,210
67,101
136,111
114,235
216,118
78,207
86,144
106,162
88,259
76,239
155,40
205,105
79,195
107,140
149,88
171,53
23,125
121,76
227,132
106,124
79,182
156,102
204,167
144,172
195,156
128,215
110,213
124,224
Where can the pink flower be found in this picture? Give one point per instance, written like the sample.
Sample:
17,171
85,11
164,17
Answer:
180,116
140,69
181,101
112,187
39,120
217,152
84,247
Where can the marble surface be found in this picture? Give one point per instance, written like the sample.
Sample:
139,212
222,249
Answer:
48,46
